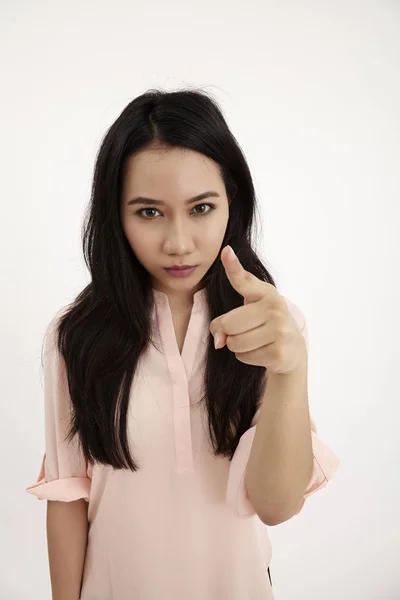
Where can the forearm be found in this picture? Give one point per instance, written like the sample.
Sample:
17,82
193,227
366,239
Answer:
67,528
281,459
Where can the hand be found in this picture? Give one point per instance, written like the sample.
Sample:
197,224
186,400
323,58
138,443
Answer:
263,331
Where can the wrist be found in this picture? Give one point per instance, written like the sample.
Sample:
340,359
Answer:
298,372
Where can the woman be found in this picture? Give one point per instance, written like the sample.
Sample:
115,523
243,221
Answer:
149,427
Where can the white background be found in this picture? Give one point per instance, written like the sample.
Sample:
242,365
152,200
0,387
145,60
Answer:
312,92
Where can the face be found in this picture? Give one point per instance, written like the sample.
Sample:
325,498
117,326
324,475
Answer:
170,230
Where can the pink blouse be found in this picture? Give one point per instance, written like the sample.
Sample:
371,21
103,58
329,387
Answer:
182,527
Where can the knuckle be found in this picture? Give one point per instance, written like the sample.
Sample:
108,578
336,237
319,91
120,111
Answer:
280,334
276,314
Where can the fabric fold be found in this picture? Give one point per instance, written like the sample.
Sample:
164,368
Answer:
65,489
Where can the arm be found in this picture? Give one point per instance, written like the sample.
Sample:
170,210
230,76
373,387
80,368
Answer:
281,459
67,529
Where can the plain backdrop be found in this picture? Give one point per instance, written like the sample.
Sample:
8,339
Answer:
311,90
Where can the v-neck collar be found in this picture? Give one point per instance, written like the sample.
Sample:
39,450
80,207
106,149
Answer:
198,315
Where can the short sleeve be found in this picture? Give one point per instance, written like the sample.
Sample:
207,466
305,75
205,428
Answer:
63,473
325,462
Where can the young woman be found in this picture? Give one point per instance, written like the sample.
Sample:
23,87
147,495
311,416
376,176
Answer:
149,426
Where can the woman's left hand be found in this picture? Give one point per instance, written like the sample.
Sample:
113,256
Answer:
262,332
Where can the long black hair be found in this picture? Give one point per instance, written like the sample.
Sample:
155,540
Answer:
107,327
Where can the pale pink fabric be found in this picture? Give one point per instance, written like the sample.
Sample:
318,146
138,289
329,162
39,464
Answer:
182,526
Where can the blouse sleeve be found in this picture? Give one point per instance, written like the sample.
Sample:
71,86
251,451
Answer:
64,470
325,462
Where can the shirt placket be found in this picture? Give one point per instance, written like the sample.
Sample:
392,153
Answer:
180,368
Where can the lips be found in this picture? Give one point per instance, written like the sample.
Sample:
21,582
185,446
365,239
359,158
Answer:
180,272
180,268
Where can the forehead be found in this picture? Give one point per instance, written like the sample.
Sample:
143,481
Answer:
155,170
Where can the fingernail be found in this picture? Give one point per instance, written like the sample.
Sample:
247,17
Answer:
216,340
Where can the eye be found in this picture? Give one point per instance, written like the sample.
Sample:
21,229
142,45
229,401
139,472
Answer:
212,206
142,212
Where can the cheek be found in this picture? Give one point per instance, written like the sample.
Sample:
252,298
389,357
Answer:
139,238
213,234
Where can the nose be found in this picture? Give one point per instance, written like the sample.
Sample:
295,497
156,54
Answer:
178,239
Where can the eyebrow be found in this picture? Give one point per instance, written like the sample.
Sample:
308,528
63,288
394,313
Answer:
143,200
